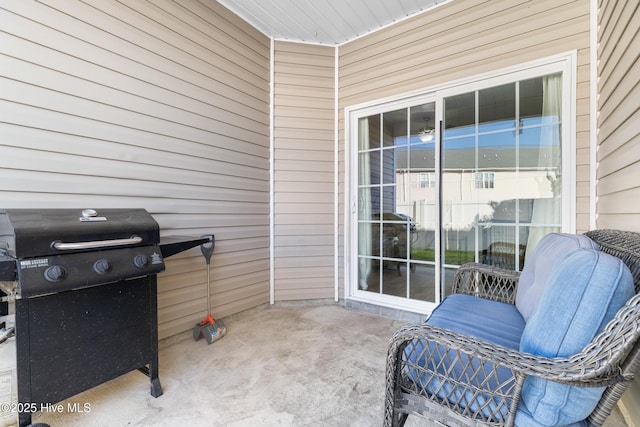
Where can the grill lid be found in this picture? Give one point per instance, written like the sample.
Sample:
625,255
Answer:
42,232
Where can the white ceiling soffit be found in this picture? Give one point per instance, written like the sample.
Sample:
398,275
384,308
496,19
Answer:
327,22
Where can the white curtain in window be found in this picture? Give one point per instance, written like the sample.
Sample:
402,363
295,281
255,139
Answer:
548,210
364,205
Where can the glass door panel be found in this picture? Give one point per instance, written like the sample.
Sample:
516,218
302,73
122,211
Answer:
396,203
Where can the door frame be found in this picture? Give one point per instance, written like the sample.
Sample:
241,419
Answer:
564,63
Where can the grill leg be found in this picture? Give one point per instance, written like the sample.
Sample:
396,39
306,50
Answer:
156,388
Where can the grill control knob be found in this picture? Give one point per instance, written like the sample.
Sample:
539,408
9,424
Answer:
55,273
102,266
141,261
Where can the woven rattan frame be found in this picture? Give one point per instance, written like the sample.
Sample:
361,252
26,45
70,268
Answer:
611,359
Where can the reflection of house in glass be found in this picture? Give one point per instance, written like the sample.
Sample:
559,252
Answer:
488,193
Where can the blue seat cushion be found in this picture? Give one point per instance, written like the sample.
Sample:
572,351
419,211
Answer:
551,250
491,321
584,292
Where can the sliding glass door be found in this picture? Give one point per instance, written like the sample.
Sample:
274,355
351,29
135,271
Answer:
466,174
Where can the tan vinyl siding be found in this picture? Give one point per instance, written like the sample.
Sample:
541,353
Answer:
461,39
618,189
304,171
160,105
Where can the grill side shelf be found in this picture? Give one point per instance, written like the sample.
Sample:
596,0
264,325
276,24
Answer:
171,245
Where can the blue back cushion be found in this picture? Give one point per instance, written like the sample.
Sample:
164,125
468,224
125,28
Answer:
584,292
551,250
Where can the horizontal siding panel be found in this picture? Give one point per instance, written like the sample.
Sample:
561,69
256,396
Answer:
304,240
149,117
309,251
323,87
298,112
616,36
318,102
301,91
305,144
294,230
55,128
296,71
619,102
220,200
431,47
304,169
455,65
155,105
306,166
464,22
293,188
303,177
621,202
313,290
149,35
296,123
621,221
623,179
300,154
324,135
141,64
318,209
19,158
310,220
324,274
305,262
320,62
307,197
622,148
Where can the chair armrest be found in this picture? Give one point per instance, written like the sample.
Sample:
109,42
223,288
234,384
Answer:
485,281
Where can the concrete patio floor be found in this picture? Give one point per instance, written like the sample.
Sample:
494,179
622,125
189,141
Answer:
283,365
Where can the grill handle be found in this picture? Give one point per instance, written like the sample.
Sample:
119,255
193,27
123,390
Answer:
64,246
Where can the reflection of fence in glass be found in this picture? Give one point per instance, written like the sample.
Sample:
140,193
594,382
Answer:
495,233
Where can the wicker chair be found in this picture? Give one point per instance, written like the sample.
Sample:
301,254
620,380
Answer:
610,360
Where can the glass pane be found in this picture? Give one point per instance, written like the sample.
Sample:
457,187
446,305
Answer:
531,98
369,167
459,209
366,232
395,127
497,108
368,202
449,273
394,282
389,165
368,275
497,151
499,247
369,132
423,123
423,282
460,114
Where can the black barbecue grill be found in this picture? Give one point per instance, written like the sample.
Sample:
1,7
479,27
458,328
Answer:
84,288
